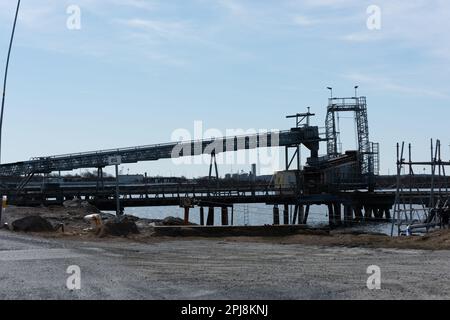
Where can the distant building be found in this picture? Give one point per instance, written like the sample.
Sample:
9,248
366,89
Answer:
254,170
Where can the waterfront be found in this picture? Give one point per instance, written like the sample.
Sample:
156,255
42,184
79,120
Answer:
258,215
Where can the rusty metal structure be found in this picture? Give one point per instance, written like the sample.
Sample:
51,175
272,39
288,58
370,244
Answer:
368,151
308,136
343,181
413,213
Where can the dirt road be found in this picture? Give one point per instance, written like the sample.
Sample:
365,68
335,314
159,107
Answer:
35,268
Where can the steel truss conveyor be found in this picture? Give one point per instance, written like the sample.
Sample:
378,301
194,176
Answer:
308,136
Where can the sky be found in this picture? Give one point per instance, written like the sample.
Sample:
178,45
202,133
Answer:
137,72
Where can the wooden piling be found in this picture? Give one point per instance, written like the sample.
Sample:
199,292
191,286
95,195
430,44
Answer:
224,216
286,214
202,216
232,215
368,212
348,213
305,218
337,213
330,214
186,215
358,213
387,214
379,213
301,214
276,215
210,219
295,215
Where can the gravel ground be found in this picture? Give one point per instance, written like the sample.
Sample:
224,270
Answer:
35,268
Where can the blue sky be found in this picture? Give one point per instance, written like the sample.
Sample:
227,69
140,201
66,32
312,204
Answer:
138,70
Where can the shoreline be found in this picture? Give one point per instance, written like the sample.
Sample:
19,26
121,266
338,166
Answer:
150,232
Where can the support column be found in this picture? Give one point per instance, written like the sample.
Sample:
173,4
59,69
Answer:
387,214
224,216
276,215
330,214
348,214
286,214
337,213
379,213
202,216
358,213
301,214
305,219
374,213
186,215
98,179
294,217
286,155
210,219
232,215
368,212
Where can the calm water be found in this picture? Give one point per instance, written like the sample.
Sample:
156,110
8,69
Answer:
258,214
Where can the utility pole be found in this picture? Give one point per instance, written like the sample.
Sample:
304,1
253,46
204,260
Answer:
118,212
116,161
6,76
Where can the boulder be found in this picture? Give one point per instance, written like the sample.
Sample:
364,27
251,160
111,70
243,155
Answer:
32,224
121,228
131,218
172,221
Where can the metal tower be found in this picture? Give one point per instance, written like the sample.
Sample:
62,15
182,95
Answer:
368,151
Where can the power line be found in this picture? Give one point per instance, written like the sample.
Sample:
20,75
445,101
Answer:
6,76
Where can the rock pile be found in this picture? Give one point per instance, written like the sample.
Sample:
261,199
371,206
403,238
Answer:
119,228
32,224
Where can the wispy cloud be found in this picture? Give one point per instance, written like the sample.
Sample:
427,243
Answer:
164,29
383,83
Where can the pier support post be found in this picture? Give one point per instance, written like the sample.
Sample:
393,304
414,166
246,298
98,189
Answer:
232,215
100,180
348,214
378,213
337,213
358,213
286,214
387,214
224,216
202,216
210,219
367,212
374,213
301,214
276,215
305,218
330,214
295,215
186,215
